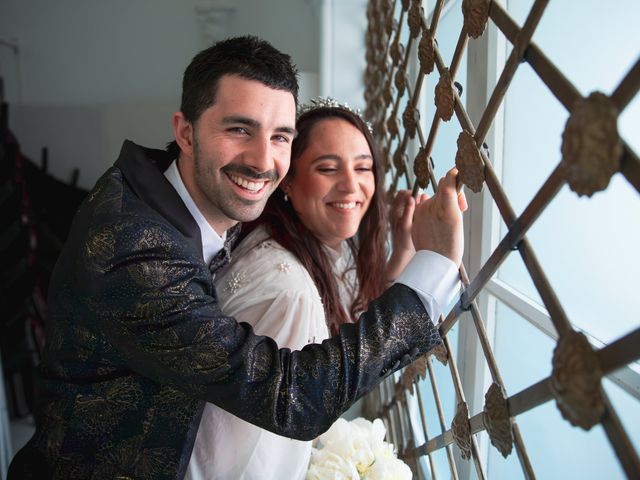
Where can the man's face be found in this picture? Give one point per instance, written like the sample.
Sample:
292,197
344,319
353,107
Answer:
240,151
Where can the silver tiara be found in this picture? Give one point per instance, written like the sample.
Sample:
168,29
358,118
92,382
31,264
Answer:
328,102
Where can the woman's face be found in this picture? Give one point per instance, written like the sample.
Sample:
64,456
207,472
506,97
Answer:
334,181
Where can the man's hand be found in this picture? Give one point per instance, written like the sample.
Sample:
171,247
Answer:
437,221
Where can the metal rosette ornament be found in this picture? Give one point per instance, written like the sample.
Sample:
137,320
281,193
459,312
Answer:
400,81
444,96
421,168
410,119
497,420
476,15
461,430
469,162
591,145
417,370
415,18
440,353
576,381
427,52
400,160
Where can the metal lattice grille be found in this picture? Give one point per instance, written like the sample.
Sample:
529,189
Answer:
586,165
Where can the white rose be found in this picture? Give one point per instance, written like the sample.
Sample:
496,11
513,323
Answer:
349,442
327,465
356,450
389,469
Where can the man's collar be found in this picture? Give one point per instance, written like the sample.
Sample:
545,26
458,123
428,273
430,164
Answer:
142,169
212,242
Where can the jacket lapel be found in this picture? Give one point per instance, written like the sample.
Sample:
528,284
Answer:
143,170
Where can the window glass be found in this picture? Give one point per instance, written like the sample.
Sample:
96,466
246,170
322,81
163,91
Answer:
587,246
556,449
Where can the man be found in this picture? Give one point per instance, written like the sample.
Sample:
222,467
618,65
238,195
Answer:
136,343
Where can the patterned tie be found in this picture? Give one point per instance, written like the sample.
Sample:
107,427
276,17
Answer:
223,257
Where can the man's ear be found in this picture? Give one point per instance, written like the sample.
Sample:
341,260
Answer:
183,132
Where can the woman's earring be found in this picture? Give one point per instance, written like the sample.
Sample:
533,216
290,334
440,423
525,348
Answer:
286,197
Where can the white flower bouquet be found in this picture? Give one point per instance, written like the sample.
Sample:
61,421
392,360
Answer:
355,450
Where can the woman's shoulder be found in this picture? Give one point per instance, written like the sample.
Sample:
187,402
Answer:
259,247
262,263
256,242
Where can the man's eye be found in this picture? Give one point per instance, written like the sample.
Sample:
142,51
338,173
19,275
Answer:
282,138
240,130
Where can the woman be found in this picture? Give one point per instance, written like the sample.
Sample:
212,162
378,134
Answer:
311,262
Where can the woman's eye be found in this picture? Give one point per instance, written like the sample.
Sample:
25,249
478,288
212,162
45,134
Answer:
327,169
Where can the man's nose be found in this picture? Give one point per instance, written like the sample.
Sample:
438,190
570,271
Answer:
259,155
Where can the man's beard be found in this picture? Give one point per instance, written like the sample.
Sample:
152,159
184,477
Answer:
232,206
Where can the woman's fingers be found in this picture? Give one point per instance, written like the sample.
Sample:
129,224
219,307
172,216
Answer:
462,201
422,197
409,208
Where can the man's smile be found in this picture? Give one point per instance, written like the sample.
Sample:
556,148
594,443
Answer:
252,186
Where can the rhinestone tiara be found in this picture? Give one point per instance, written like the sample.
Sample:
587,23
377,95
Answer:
328,102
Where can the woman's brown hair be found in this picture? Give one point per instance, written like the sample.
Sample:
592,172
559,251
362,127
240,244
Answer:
368,247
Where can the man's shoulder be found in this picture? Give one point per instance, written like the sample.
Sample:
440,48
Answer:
113,211
112,198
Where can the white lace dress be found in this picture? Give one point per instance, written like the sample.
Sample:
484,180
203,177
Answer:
266,286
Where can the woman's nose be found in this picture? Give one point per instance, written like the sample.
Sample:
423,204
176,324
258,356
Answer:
348,182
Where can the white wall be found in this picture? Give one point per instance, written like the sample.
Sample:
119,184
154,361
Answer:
89,73
342,55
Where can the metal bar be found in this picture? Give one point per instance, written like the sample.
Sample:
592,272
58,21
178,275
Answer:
435,19
435,124
621,352
443,427
627,88
620,440
396,41
457,383
548,295
402,446
537,316
491,179
388,410
510,242
559,85
551,302
463,39
630,166
525,400
423,420
397,436
520,43
521,450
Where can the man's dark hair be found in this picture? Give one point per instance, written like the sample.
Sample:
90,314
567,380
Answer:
248,57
